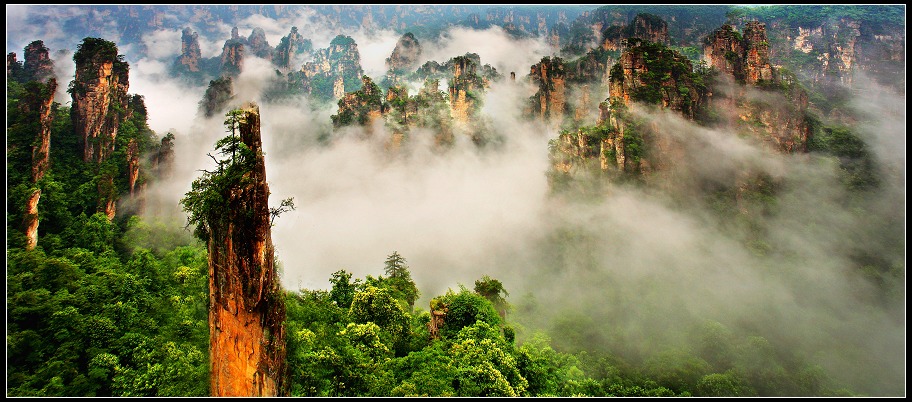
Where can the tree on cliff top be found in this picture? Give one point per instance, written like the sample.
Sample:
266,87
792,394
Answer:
206,201
400,279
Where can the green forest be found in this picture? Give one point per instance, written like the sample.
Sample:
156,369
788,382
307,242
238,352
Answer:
118,308
107,304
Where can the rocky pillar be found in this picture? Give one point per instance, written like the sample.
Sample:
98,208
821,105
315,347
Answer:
42,102
246,305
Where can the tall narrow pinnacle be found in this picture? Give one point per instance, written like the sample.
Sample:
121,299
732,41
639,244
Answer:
247,312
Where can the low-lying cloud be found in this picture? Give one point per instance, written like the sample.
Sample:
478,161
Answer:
640,263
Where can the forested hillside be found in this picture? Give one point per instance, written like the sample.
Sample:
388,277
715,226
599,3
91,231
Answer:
632,201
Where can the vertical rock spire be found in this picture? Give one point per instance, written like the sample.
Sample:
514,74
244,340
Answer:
246,305
39,101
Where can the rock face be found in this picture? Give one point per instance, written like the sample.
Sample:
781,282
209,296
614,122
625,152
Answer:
404,59
99,93
833,51
647,73
466,87
189,59
246,307
38,64
42,147
778,119
334,71
258,45
289,48
132,165
756,53
427,109
724,50
360,107
468,80
549,103
233,54
406,54
34,119
746,56
217,96
565,87
38,103
882,56
433,112
13,67
163,159
746,59
655,74
648,27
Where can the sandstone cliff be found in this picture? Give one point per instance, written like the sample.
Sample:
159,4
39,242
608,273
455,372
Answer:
289,49
334,71
400,112
833,51
404,59
233,54
37,105
163,158
433,112
745,56
99,92
38,64
217,96
13,67
549,103
246,307
468,80
258,45
647,73
652,73
361,107
466,87
189,59
648,27
778,118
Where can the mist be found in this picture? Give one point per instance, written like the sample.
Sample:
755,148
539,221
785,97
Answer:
644,264
638,264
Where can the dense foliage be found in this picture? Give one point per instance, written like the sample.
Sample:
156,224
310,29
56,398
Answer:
119,307
99,307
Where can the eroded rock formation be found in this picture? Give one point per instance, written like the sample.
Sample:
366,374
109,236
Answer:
404,59
655,74
258,45
233,54
406,54
745,56
38,104
648,27
467,86
771,105
549,102
99,92
38,64
189,59
13,67
334,71
100,104
361,107
217,96
289,48
246,306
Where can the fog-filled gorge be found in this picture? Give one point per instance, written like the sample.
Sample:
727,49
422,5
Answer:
637,268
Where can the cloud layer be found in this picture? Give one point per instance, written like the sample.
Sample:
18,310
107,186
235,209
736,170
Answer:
643,263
